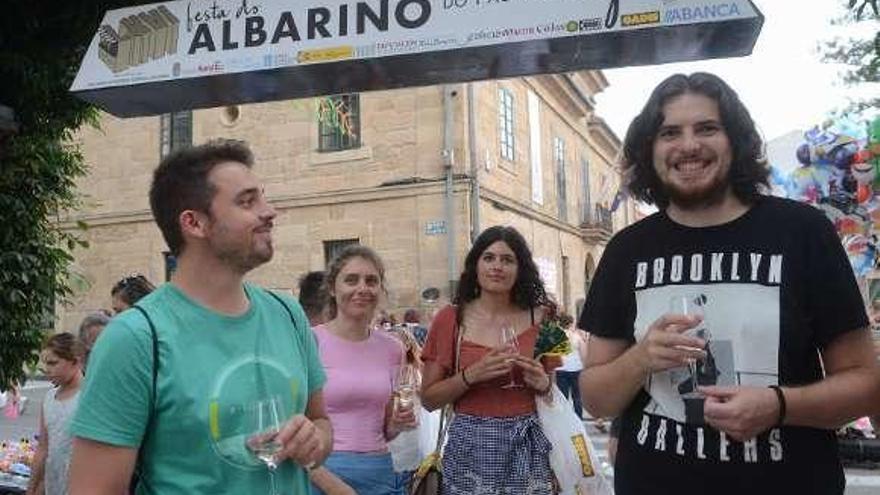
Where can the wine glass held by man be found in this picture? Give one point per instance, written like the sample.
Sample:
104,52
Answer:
361,363
499,287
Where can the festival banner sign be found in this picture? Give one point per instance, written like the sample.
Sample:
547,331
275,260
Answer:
187,54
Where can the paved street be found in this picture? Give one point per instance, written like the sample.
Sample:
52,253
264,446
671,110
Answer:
859,481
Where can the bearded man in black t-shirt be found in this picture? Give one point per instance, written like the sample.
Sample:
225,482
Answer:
785,357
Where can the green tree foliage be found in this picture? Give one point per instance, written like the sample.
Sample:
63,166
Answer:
41,46
860,51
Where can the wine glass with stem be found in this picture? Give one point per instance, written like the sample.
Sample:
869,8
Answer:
690,305
510,343
264,420
405,385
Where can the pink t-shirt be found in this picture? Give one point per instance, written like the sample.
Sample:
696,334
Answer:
358,387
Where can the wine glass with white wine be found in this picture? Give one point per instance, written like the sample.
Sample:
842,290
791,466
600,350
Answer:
406,386
510,344
264,421
690,305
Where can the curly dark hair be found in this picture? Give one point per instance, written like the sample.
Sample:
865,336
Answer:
132,288
181,183
528,290
748,171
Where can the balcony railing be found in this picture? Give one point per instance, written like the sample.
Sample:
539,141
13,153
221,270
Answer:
597,224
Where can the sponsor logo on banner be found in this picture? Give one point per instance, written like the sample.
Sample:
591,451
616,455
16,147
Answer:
325,54
383,48
553,27
640,19
501,33
706,12
211,68
593,24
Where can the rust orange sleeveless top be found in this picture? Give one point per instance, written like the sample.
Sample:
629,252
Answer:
486,398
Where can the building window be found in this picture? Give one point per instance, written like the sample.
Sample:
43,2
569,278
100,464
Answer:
586,213
505,123
559,160
333,248
175,131
339,122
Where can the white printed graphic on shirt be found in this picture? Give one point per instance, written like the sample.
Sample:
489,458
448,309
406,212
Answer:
742,324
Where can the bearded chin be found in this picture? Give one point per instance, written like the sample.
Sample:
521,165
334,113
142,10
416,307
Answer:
245,262
691,198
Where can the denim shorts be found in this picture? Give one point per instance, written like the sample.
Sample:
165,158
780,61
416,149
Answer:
367,473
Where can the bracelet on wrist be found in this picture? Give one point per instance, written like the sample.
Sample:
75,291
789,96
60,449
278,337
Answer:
782,405
464,379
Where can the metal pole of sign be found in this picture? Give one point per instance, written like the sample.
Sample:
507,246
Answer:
448,167
475,168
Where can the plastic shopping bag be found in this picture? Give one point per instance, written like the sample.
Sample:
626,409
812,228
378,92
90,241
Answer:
404,449
409,448
573,458
429,428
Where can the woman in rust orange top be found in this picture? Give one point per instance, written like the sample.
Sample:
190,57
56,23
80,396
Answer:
495,444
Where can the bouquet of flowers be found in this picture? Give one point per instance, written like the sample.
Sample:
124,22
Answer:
552,341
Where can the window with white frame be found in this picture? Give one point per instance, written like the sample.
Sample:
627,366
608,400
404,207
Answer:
559,160
505,123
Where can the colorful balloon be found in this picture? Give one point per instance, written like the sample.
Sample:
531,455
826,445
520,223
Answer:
864,193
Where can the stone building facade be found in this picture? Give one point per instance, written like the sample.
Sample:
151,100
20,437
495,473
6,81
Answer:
418,175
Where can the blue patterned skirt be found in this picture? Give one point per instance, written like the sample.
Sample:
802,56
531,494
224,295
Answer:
497,456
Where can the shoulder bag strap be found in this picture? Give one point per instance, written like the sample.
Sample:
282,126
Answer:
446,413
151,417
289,312
155,341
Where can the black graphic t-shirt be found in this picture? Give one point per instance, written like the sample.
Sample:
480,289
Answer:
774,287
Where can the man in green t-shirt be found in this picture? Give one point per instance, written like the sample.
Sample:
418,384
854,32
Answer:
188,419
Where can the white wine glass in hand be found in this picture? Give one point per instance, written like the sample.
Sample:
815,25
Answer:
264,421
690,305
510,344
406,386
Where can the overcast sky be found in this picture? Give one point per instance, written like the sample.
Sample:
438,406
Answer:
783,83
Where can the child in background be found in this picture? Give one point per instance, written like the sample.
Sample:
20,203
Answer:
12,402
62,359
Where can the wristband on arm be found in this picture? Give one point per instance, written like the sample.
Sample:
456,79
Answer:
464,379
782,405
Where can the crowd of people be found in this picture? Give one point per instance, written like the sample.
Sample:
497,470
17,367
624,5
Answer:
179,376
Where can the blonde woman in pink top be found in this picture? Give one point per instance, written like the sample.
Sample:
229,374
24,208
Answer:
360,365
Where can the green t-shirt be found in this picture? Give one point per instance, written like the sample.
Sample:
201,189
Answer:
210,367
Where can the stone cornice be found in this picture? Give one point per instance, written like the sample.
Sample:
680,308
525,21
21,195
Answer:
288,201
